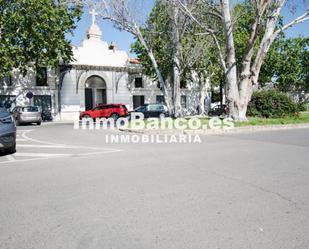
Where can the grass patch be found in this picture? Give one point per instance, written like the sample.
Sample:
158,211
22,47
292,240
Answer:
302,118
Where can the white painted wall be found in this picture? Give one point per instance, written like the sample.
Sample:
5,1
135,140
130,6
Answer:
22,85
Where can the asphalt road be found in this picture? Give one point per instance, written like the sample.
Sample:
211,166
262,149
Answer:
70,189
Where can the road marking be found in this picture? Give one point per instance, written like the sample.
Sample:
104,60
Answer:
43,144
35,140
10,158
64,156
47,146
64,145
20,140
20,131
37,155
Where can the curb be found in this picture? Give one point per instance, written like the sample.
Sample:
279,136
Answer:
238,130
249,129
149,131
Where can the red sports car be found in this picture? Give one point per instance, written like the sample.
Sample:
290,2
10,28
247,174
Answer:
106,111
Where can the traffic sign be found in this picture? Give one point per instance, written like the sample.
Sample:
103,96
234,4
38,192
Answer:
29,95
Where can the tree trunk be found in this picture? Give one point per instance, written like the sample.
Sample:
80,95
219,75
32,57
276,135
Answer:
245,93
161,80
231,72
205,96
176,62
201,108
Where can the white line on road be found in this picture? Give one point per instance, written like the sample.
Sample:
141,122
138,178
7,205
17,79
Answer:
10,158
43,156
61,147
64,156
64,145
20,140
47,146
38,155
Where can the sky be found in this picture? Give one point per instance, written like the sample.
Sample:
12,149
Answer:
124,39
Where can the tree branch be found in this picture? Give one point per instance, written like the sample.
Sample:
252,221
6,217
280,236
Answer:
208,30
297,20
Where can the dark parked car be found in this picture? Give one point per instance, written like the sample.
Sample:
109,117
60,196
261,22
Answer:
27,115
152,110
106,111
7,132
219,110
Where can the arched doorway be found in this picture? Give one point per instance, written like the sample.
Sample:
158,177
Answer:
95,92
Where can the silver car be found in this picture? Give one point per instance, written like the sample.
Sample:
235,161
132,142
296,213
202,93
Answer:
7,132
27,115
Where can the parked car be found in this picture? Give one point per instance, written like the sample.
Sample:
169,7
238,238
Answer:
152,110
7,132
219,110
27,115
106,111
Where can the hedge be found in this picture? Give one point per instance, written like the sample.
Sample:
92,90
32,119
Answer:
271,104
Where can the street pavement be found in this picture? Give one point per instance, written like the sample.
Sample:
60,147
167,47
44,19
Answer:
70,189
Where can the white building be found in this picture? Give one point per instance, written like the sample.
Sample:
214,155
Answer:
100,73
41,82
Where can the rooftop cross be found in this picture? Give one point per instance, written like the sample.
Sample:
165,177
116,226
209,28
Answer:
94,14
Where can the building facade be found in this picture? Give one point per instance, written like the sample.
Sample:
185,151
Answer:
99,73
41,82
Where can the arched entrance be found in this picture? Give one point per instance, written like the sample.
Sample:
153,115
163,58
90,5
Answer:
95,92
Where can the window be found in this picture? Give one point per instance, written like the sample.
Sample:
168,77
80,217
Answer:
6,81
44,102
98,108
6,100
183,84
41,76
160,99
138,100
141,109
156,108
183,101
138,82
30,109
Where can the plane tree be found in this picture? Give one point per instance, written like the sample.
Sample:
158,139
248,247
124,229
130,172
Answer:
33,32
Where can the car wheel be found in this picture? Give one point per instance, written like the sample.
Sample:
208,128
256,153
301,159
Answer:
11,150
38,123
86,116
115,116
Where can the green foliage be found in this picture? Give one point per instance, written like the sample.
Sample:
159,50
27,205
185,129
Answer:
198,52
302,106
289,63
244,16
286,64
158,36
271,104
297,119
33,31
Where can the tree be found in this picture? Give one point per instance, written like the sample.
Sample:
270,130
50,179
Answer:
196,56
33,32
286,65
125,14
242,76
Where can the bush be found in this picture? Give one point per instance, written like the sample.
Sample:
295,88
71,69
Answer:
271,104
302,106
